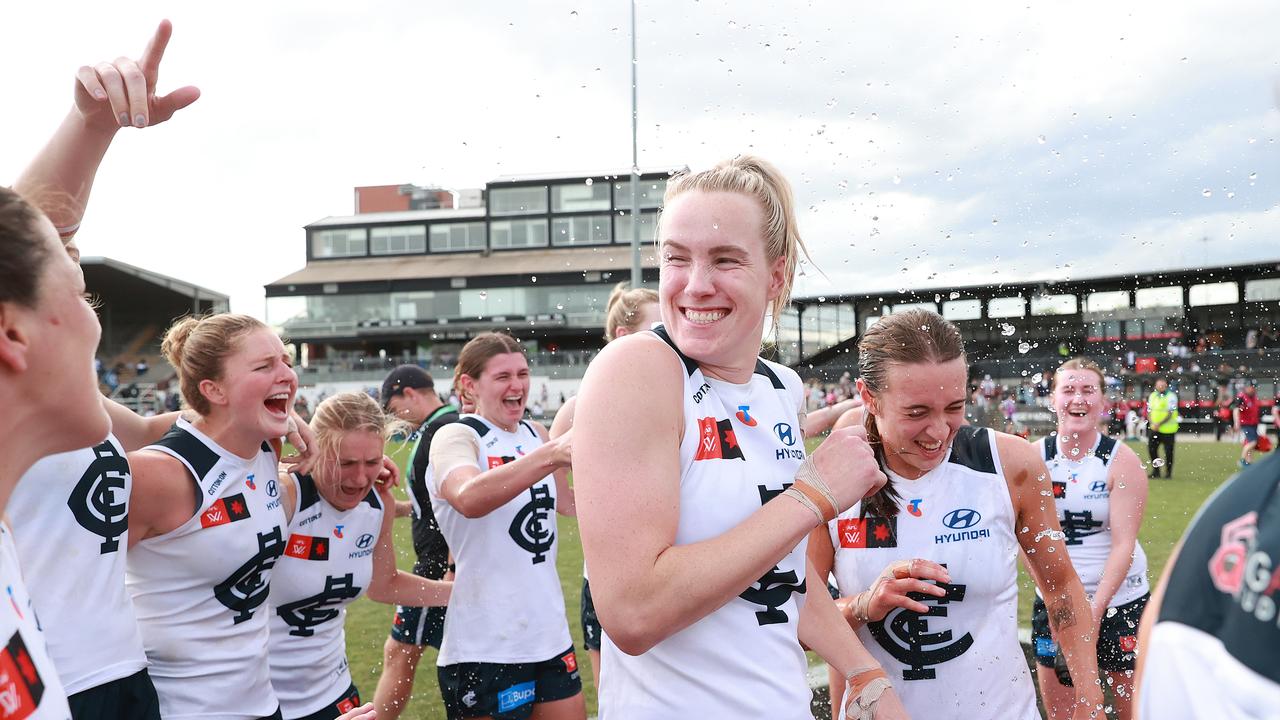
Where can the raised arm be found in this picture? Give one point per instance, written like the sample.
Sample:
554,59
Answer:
1040,535
565,503
1128,501
108,96
629,425
133,430
821,420
397,587
475,492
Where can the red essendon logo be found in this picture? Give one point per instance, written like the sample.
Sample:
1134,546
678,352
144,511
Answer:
306,547
717,441
1059,490
868,532
20,685
1128,643
499,461
570,662
229,509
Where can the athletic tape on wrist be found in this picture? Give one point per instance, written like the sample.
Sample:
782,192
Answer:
864,692
808,475
795,494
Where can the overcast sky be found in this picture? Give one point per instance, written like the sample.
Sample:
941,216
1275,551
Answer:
929,144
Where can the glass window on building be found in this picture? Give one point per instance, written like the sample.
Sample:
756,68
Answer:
347,242
453,237
1053,304
1260,290
581,230
968,309
506,234
1220,293
1007,307
903,307
1105,300
578,197
622,228
398,239
651,192
518,200
1170,297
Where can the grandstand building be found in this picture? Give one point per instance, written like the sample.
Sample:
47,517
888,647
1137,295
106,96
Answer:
416,272
1201,328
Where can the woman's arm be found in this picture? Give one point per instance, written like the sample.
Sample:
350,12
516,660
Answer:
134,431
821,420
629,422
108,96
565,504
475,492
396,587
163,495
1128,500
1038,531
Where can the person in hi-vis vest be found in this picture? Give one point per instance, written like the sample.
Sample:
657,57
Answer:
1162,426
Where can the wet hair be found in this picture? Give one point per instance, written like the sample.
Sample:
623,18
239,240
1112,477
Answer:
23,253
1079,363
476,354
911,337
760,180
338,415
623,309
198,348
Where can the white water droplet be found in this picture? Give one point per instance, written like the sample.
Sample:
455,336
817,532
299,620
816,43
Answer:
1038,377
590,181
1007,330
1024,347
1206,193
1158,462
897,180
484,294
954,295
1253,176
1041,139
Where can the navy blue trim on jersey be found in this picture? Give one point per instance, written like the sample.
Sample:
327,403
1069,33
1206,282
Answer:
762,369
1106,449
372,498
476,424
266,447
1050,449
690,365
529,427
308,493
199,456
972,449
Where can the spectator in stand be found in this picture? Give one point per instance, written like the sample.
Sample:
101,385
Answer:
1162,427
141,367
1007,408
301,407
1246,413
1222,412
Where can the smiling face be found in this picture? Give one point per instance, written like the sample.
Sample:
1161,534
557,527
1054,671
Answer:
716,280
257,385
501,390
918,413
1078,401
345,480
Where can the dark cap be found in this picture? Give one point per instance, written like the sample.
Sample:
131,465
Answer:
404,376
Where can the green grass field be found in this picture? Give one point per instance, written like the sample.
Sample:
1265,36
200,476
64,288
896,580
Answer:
1201,467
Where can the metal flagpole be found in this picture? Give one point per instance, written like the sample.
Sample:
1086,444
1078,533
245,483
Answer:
635,163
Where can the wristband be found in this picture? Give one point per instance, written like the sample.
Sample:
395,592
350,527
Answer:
826,509
794,493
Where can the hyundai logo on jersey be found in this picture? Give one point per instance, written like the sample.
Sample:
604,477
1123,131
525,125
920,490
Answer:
272,488
744,416
365,541
1098,486
913,507
962,519
785,436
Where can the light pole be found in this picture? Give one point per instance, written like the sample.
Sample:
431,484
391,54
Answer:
635,163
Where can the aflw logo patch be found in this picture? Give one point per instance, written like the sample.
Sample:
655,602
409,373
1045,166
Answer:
717,441
306,547
229,509
20,685
868,532
495,461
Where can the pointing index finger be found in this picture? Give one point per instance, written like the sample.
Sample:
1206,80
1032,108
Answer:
150,62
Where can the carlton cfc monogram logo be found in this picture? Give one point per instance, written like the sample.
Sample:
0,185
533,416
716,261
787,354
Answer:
98,501
530,528
905,635
304,615
245,589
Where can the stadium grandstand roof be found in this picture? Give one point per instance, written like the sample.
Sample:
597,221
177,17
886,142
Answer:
619,173
502,262
99,270
391,218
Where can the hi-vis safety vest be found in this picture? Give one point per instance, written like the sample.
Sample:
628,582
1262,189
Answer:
1162,412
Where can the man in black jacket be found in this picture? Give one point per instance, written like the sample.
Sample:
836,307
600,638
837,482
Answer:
409,394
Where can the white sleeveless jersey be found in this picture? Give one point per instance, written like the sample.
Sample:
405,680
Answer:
961,659
327,564
742,446
507,605
29,685
70,517
1083,496
199,590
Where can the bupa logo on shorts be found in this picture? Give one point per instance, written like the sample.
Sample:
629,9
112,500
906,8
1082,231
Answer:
1046,647
913,506
962,520
784,433
364,541
515,696
744,416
